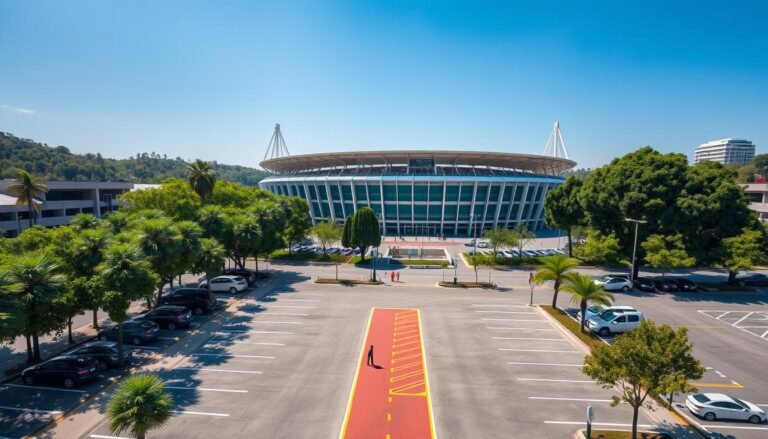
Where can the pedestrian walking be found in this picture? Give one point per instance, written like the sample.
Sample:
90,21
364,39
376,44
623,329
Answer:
386,274
393,276
398,276
370,357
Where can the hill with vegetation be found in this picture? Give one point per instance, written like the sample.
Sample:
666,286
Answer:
59,163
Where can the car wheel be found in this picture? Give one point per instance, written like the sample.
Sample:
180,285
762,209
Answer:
740,283
604,332
709,416
103,365
28,380
198,311
171,326
136,341
103,337
755,419
625,288
233,291
69,383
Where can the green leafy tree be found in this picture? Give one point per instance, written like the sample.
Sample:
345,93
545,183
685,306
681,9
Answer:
667,253
26,188
229,194
242,235
346,233
80,255
210,259
474,261
84,221
160,242
599,249
211,219
499,237
648,361
554,268
583,291
326,232
174,197
272,219
201,178
523,236
190,234
298,222
365,231
744,252
139,405
36,280
562,208
11,312
126,277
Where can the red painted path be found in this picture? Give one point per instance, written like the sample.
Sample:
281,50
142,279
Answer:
391,402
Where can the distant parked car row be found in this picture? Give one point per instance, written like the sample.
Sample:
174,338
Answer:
515,253
621,282
330,250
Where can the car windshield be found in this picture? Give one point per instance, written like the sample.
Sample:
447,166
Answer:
607,315
595,309
701,398
606,278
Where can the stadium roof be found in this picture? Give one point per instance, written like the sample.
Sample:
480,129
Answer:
524,162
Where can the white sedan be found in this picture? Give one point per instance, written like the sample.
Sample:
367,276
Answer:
231,284
711,406
610,283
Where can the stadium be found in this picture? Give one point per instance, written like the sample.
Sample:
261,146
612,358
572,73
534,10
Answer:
421,192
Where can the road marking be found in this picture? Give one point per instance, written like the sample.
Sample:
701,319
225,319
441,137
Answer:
723,314
544,364
185,412
735,385
205,389
504,312
42,412
288,314
246,342
743,318
549,380
290,306
606,424
734,427
515,320
530,338
234,332
168,338
148,348
206,369
521,329
56,389
540,350
354,380
101,436
569,399
493,304
277,323
233,356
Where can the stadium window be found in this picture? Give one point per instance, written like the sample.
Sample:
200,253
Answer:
375,192
482,191
420,212
420,192
494,193
450,212
466,193
404,192
464,212
360,192
452,193
390,192
436,192
435,212
346,192
335,193
404,210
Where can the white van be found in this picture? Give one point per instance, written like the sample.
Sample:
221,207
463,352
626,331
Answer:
615,322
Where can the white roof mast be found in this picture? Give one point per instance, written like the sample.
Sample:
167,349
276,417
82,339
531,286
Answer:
277,147
555,146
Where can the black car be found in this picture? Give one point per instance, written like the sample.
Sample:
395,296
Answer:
686,285
69,370
245,274
134,331
168,316
644,284
105,352
199,300
756,279
667,285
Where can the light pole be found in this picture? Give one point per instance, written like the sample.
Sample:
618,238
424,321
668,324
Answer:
634,247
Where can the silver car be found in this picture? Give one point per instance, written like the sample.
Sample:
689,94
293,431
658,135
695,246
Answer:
711,406
230,284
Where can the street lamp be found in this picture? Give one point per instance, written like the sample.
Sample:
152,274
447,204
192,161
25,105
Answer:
634,247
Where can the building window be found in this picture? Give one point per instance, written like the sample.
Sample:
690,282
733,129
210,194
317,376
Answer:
420,192
494,193
466,193
391,211
335,193
435,212
404,193
519,193
450,212
482,191
390,192
360,192
404,210
451,193
436,192
375,192
346,192
464,212
420,212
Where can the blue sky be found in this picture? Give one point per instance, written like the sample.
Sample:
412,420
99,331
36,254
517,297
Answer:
210,79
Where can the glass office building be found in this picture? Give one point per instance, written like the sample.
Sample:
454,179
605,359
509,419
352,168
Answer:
453,193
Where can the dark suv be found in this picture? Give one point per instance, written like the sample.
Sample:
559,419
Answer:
105,352
68,370
168,316
199,300
134,331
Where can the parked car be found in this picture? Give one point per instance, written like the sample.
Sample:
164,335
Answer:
470,243
168,316
597,310
482,244
686,285
756,279
614,322
69,370
134,331
248,275
644,284
105,352
667,285
614,283
711,406
196,299
530,254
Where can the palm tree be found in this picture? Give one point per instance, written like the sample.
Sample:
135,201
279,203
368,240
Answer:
584,290
554,268
36,280
139,405
210,259
25,189
202,178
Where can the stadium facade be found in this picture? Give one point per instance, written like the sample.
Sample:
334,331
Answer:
415,192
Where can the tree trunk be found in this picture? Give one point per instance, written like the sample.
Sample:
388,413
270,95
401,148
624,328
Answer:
141,435
290,244
95,319
554,297
732,277
36,349
362,254
570,243
583,306
634,422
31,210
255,261
70,339
208,283
120,358
30,358
159,293
337,271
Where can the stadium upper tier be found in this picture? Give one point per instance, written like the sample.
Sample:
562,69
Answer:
418,162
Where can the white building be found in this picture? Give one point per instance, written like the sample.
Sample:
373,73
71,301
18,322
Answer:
725,151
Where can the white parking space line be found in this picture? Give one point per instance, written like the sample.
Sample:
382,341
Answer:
521,329
291,306
287,314
168,338
743,318
101,436
530,338
732,427
149,348
262,343
723,314
38,411
517,363
205,389
514,320
55,389
540,350
551,380
599,424
267,357
185,412
207,369
495,304
234,332
505,312
276,323
569,399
